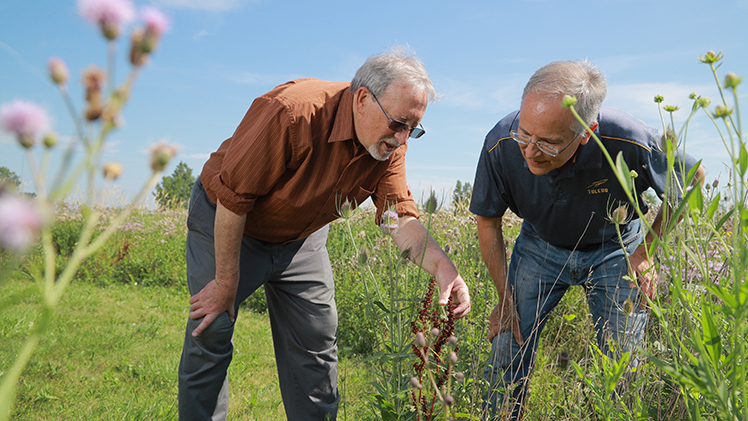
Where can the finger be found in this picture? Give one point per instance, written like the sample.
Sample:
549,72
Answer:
444,295
204,325
517,333
232,314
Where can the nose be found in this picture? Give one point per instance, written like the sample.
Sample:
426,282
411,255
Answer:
402,137
532,150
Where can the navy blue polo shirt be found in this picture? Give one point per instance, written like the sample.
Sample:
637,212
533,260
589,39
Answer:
570,205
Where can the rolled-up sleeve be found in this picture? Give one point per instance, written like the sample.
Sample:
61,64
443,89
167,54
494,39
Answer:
255,157
392,189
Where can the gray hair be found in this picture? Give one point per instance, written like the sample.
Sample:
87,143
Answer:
398,64
578,78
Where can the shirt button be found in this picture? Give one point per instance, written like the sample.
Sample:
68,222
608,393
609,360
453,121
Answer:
340,191
324,214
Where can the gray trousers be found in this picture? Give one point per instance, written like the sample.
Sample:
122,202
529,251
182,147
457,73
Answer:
301,303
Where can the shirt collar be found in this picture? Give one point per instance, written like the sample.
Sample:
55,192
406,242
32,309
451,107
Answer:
342,129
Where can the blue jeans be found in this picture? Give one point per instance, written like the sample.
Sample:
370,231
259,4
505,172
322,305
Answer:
539,275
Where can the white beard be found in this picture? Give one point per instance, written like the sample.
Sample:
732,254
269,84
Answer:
375,148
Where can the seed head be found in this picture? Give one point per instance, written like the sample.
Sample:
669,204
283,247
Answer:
420,340
460,376
112,170
435,332
449,400
415,383
161,154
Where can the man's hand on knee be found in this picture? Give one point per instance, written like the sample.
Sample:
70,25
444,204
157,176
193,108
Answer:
210,303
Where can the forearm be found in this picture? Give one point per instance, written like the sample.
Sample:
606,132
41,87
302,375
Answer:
228,232
493,251
412,235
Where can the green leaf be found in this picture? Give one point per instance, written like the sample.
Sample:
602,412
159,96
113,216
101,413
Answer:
742,161
570,317
623,173
724,219
712,338
713,206
696,201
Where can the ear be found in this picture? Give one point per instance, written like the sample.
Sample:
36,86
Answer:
587,134
359,99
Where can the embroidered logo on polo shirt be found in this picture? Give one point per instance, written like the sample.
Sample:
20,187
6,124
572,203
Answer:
596,187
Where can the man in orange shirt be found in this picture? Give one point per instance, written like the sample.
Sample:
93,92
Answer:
259,214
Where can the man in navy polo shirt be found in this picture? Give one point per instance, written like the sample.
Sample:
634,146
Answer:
542,164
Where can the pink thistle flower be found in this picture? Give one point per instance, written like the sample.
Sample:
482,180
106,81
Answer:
20,222
155,20
110,15
25,119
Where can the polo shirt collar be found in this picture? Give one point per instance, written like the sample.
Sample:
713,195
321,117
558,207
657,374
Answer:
342,129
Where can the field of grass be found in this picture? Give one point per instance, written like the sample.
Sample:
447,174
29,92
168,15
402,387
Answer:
113,349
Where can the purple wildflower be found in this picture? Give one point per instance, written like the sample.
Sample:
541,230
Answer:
155,20
389,222
110,15
20,221
25,119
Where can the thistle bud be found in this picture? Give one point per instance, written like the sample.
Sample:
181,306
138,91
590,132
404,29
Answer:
671,108
431,203
715,183
58,71
363,255
703,102
346,210
50,139
161,154
619,215
711,57
732,80
420,340
453,357
460,376
137,56
415,383
435,331
693,95
628,306
449,400
453,340
112,170
568,101
721,111
659,99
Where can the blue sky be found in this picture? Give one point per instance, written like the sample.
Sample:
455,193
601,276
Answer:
220,54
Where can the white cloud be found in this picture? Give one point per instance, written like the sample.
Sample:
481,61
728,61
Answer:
209,5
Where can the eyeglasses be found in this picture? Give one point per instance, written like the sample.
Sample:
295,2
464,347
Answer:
398,126
544,147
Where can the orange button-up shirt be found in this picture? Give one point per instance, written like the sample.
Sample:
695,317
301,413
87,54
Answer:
295,158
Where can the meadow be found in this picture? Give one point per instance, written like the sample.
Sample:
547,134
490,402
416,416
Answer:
92,314
113,348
